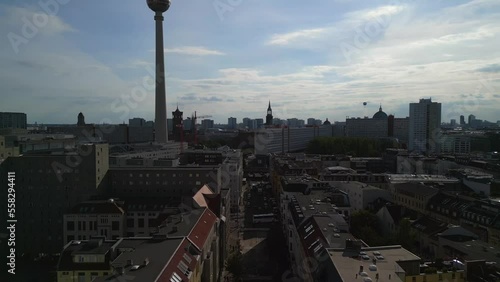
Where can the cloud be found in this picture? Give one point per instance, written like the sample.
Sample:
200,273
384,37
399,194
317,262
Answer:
36,20
288,38
133,64
335,30
378,12
193,50
446,51
490,68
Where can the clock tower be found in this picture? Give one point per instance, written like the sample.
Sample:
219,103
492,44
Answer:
269,116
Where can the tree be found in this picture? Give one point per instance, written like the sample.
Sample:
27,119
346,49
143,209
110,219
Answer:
405,237
364,225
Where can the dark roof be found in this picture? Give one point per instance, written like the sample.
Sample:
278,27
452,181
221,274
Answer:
380,114
448,205
214,203
396,212
181,224
379,203
157,251
149,204
103,247
429,226
413,189
98,207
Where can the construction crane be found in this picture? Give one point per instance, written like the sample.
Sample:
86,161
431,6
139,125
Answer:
194,126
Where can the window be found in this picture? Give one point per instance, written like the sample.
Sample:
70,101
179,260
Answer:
93,274
70,238
141,222
130,222
70,225
115,225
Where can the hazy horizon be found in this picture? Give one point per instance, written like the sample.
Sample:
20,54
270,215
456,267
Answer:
228,58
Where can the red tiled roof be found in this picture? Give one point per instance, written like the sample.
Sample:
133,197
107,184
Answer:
199,233
312,238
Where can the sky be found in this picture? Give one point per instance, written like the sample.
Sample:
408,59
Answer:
227,58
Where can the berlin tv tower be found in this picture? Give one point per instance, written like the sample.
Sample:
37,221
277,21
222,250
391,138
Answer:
161,131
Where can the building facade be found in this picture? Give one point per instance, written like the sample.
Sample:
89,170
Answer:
50,185
425,126
13,120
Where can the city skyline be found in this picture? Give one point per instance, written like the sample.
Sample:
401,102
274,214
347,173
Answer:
222,58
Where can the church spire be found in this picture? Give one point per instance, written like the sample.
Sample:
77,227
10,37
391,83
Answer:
269,116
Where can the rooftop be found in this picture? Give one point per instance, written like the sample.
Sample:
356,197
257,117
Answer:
98,207
449,205
180,224
318,202
201,231
348,262
95,246
398,178
429,226
472,250
413,189
156,252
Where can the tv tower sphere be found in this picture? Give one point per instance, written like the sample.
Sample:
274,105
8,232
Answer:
159,5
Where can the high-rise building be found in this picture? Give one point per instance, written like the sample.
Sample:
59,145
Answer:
471,119
453,122
232,123
311,121
269,116
52,185
81,120
425,126
462,120
246,122
259,122
188,123
207,123
292,122
136,122
13,120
